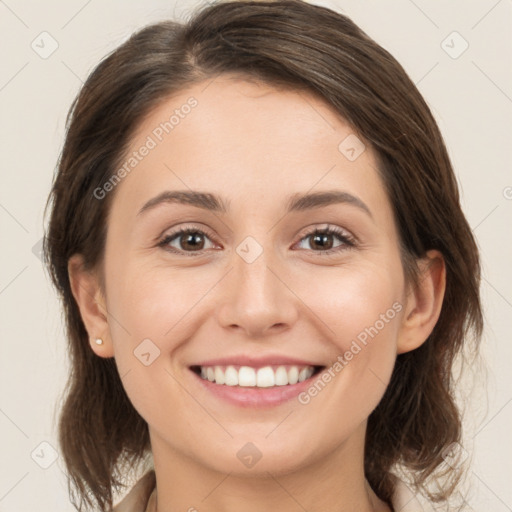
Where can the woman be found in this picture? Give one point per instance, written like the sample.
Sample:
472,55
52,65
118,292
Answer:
266,273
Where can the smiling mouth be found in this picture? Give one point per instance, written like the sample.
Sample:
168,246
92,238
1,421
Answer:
249,377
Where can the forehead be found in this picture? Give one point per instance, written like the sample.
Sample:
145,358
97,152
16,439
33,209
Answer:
251,140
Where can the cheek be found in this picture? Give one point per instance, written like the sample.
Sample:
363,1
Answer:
358,303
154,303
153,308
362,311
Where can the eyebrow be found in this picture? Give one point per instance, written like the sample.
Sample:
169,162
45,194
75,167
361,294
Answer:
296,202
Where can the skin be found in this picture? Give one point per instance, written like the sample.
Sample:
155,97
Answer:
254,145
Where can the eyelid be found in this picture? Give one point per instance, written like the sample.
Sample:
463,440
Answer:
169,232
330,228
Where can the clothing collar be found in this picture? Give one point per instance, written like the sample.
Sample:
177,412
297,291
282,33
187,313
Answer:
142,497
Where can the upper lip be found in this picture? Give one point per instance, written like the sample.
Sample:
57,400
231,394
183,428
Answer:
256,362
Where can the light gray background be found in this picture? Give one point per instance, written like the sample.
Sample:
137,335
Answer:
470,95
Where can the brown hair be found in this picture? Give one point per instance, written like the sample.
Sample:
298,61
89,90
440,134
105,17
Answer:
302,46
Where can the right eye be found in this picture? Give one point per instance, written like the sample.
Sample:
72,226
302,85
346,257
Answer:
190,240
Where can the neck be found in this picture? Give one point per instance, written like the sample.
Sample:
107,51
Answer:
334,482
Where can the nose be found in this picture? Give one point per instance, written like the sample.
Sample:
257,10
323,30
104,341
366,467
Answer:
257,298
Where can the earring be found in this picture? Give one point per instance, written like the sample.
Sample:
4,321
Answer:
99,341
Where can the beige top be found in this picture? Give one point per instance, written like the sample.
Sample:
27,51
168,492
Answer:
142,497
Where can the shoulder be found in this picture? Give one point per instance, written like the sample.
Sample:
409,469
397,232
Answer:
137,499
404,500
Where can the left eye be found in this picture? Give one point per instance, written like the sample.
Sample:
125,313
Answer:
322,238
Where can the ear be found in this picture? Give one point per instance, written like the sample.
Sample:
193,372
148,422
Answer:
423,303
87,292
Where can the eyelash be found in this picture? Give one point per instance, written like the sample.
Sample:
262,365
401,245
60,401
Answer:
348,241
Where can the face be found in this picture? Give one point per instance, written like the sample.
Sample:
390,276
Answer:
264,279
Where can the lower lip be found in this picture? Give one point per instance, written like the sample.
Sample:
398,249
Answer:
256,397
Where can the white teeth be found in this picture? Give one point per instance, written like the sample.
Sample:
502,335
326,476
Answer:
293,375
231,376
303,375
219,375
246,376
281,377
265,377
